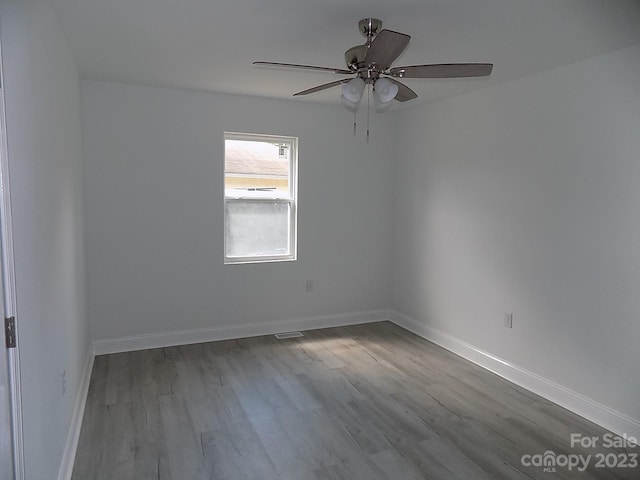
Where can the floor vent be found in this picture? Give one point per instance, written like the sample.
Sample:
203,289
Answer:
282,336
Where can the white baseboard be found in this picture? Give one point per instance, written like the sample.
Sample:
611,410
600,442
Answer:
185,337
577,403
71,445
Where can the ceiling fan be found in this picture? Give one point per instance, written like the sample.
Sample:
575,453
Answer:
371,64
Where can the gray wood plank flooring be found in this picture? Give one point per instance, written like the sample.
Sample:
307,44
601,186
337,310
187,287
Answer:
362,402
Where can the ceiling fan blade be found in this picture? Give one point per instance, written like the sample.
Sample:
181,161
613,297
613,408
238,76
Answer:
319,88
443,70
385,48
404,93
305,67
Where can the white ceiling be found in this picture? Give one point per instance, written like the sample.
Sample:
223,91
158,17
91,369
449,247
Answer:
210,44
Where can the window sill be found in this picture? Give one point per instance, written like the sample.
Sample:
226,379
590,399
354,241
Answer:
250,260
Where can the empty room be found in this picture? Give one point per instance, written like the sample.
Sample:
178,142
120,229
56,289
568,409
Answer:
320,240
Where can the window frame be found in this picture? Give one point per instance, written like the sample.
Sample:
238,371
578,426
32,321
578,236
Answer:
291,200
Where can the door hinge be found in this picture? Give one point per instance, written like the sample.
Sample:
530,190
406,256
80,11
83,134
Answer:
10,332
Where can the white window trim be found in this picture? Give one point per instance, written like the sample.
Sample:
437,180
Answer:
292,200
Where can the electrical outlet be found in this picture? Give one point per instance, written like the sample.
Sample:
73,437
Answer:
508,320
309,286
63,382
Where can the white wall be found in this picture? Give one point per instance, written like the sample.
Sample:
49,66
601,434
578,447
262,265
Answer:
524,198
154,212
45,161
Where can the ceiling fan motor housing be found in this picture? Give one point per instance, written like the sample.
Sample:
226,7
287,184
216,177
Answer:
355,56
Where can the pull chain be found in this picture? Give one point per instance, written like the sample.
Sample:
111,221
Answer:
368,97
355,111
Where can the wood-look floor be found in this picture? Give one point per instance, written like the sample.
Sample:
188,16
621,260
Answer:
363,402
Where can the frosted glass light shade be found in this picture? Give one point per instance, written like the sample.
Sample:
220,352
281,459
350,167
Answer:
385,90
351,106
381,107
352,90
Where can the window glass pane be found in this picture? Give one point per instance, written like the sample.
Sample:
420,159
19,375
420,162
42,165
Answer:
256,229
257,168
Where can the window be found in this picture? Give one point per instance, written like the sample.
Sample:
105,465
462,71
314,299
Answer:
260,193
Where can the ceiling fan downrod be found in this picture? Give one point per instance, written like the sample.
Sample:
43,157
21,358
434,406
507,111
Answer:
369,27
